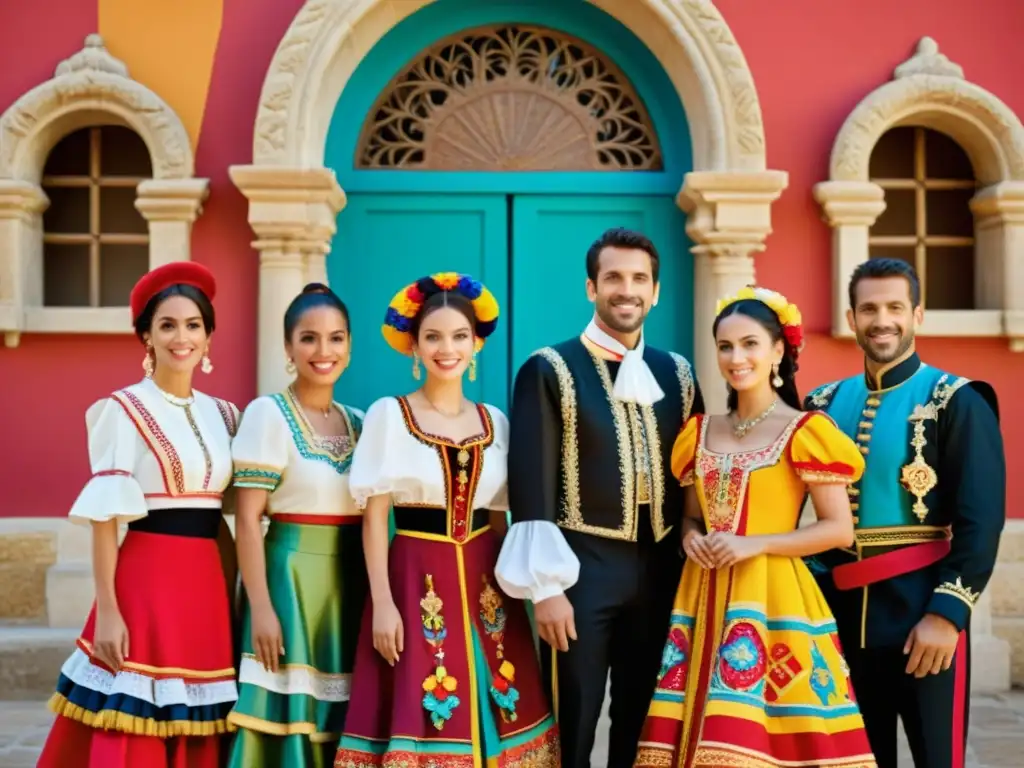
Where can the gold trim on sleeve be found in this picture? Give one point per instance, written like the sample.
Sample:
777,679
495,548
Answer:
958,590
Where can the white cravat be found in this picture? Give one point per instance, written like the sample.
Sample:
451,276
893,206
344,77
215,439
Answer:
634,382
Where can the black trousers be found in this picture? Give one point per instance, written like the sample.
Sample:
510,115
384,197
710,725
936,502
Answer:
934,709
622,604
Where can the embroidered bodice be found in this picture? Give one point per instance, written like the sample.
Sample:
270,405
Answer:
761,491
394,456
151,450
277,450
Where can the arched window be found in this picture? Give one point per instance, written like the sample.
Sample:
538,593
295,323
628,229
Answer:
930,168
95,241
96,188
928,182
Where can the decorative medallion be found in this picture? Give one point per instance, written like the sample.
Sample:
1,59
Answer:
742,658
510,98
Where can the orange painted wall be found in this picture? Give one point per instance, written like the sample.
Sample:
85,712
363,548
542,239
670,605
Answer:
812,62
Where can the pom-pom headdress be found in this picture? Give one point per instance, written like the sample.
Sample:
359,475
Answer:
175,273
788,313
407,302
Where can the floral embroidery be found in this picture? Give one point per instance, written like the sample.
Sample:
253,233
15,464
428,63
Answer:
492,614
305,438
675,658
724,476
822,682
439,697
784,669
742,658
844,668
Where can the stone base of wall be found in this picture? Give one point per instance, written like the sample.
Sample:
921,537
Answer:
1007,593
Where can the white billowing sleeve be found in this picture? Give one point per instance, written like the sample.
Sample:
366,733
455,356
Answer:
536,562
500,448
260,448
369,474
112,492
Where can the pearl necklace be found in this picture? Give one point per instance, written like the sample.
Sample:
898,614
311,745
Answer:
181,402
741,428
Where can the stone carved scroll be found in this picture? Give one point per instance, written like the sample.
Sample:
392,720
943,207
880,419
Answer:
95,80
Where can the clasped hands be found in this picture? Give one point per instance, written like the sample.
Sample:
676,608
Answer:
719,549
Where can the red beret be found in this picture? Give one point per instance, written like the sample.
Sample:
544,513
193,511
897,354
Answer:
175,273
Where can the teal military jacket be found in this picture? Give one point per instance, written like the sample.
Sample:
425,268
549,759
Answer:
934,471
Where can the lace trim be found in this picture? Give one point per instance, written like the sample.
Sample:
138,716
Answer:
160,692
295,679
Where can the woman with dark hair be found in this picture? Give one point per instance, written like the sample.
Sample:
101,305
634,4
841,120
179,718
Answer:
752,671
152,679
305,582
446,670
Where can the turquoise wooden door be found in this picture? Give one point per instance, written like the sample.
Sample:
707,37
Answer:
550,238
530,251
386,241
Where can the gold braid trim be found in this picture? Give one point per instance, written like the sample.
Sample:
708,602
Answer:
112,720
723,757
958,590
654,757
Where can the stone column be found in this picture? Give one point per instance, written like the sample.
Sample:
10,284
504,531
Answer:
850,208
293,213
21,254
170,206
729,219
999,235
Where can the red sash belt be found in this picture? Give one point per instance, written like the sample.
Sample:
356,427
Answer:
890,564
294,517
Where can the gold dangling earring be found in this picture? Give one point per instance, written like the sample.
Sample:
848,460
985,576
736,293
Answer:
416,366
148,366
776,379
205,365
290,368
472,368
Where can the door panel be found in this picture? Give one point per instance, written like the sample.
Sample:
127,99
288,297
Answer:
550,238
386,241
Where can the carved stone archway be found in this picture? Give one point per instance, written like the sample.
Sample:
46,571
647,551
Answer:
90,83
294,199
89,88
930,91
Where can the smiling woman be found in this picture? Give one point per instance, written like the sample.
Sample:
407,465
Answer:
305,581
141,684
468,689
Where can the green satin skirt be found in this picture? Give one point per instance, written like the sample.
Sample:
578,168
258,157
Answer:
293,718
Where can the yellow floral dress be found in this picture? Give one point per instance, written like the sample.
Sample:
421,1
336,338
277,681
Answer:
752,673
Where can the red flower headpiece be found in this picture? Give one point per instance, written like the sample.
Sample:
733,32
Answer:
787,312
175,273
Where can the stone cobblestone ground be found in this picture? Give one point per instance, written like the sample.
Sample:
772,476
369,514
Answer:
996,740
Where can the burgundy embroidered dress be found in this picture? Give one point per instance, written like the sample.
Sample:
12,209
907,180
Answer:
160,464
466,692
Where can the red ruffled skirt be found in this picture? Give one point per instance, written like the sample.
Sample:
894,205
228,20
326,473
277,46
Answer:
168,704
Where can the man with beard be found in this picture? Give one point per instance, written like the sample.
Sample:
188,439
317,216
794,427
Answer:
929,511
593,422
